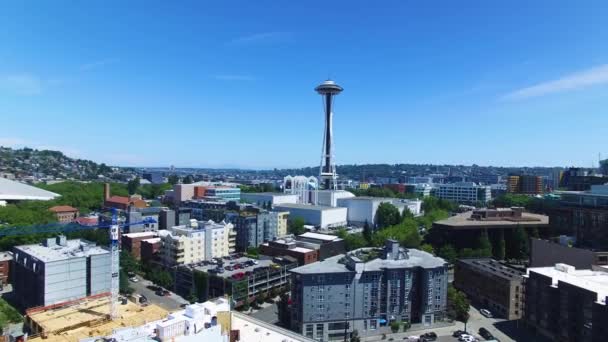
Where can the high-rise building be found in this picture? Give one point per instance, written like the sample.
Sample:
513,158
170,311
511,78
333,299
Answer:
525,184
366,289
273,224
59,270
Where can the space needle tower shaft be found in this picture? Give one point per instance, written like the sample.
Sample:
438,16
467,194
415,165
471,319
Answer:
327,171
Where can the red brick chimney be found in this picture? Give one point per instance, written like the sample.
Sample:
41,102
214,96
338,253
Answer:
106,191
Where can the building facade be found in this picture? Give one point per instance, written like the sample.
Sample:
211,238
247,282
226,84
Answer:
265,198
59,270
131,242
464,192
64,213
494,285
365,290
184,245
525,184
323,217
273,224
565,304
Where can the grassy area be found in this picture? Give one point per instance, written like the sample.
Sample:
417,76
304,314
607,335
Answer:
8,314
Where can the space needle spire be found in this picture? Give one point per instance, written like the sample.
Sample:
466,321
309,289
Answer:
327,171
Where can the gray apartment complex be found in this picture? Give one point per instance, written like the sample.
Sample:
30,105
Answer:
366,289
59,270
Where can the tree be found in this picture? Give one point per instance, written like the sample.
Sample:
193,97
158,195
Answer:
123,283
499,251
406,326
427,248
395,325
128,263
164,279
367,232
405,232
132,185
458,304
188,179
523,245
354,336
484,245
296,226
448,252
387,215
173,179
253,252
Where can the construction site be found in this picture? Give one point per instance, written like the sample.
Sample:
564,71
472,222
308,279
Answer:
73,321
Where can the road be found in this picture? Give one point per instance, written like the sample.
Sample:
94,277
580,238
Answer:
169,303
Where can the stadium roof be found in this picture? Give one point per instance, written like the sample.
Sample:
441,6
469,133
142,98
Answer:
15,191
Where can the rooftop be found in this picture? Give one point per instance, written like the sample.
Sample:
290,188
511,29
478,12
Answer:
494,267
464,221
262,262
62,209
317,236
73,249
306,207
140,235
409,258
596,281
15,191
276,194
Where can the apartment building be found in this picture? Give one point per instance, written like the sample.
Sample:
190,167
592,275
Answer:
464,192
273,224
366,289
525,184
565,304
184,245
493,284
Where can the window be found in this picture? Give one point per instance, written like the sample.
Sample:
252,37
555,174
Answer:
309,331
373,324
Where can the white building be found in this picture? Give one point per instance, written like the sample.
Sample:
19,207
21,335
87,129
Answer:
262,198
183,245
423,189
15,191
211,321
319,216
329,198
464,192
363,209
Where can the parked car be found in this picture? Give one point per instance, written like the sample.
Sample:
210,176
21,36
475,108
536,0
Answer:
166,293
429,336
159,293
134,279
458,333
466,338
131,274
486,313
220,270
229,268
485,333
143,299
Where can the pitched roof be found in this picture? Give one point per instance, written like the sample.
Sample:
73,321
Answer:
118,199
62,209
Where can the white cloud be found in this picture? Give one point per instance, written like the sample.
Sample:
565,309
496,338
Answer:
232,77
21,84
262,38
98,64
577,80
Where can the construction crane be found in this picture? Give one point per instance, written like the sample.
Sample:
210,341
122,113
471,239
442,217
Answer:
114,230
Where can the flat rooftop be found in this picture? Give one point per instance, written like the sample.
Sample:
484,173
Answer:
276,194
89,318
139,234
596,281
227,273
15,191
73,249
317,236
306,207
494,267
463,221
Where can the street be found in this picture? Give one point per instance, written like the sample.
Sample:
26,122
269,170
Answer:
169,303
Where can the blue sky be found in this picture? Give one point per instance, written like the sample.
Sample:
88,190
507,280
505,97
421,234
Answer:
230,83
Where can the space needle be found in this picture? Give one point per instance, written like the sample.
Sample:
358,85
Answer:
327,171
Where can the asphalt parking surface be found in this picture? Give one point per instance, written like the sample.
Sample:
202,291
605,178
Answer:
169,303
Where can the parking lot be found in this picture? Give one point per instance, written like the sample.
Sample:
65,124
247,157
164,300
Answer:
172,302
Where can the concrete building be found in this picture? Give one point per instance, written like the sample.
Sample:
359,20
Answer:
131,242
525,184
204,190
565,304
166,219
306,248
544,253
464,192
365,290
59,270
493,285
154,177
150,214
330,198
64,213
363,209
184,245
248,234
13,191
319,216
274,198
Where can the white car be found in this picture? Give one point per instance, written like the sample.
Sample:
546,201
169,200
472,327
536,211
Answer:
134,279
486,313
466,338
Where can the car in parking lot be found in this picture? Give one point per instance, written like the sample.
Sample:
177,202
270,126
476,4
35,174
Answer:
458,333
467,338
485,333
486,313
229,268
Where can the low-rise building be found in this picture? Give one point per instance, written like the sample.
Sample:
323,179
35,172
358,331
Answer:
131,242
319,216
330,198
6,258
150,249
544,253
363,209
265,198
566,304
365,290
64,213
59,270
496,286
306,248
185,245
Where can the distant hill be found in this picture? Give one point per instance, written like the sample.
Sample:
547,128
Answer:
45,163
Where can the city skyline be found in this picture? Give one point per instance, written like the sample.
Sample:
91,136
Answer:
209,85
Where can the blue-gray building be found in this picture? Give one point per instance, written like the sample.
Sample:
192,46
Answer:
59,270
155,177
248,234
366,289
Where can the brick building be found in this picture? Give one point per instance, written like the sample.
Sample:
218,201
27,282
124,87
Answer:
64,213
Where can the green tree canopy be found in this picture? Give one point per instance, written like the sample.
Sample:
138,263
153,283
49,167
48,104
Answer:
405,232
296,226
132,185
387,215
448,252
458,305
